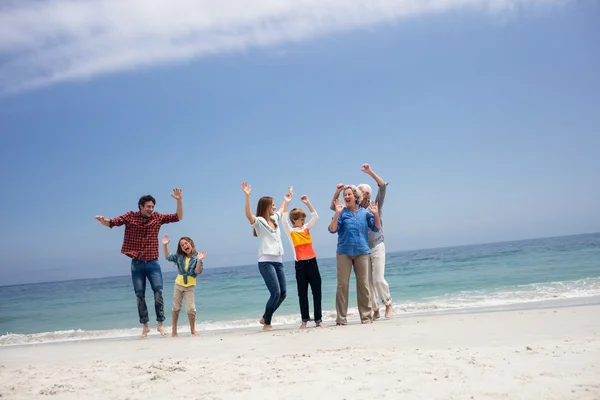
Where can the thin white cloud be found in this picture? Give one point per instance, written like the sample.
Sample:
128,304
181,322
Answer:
44,42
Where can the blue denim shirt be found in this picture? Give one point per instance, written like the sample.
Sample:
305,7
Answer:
353,231
179,259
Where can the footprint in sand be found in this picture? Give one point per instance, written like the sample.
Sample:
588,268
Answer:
56,389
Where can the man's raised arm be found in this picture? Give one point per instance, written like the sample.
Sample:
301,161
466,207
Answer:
366,168
338,189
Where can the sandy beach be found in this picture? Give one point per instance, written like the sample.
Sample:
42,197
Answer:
533,354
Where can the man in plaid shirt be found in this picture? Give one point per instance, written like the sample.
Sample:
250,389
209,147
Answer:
140,243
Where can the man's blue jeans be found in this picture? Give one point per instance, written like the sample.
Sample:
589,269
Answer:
272,273
140,270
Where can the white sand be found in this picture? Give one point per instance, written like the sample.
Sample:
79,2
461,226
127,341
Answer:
461,356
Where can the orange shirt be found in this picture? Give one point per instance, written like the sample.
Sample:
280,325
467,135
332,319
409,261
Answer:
300,237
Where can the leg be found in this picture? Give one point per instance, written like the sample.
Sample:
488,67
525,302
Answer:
156,282
267,270
177,299
344,265
138,277
190,308
379,282
282,283
361,270
175,318
314,279
302,285
192,319
373,297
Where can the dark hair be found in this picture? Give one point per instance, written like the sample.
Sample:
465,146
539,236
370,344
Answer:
262,209
180,250
144,199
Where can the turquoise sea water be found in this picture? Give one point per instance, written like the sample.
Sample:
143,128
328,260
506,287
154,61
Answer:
457,278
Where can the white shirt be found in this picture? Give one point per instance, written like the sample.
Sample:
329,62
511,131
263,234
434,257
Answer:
270,247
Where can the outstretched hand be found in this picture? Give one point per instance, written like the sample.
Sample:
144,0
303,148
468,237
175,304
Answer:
201,256
103,221
339,186
366,168
165,239
304,198
338,205
176,194
246,188
374,207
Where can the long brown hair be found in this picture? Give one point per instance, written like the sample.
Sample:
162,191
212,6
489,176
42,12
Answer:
262,210
180,250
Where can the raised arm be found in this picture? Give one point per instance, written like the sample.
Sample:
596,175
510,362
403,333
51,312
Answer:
381,187
366,168
374,208
199,267
247,189
165,242
333,225
286,201
338,189
284,211
306,201
314,216
177,196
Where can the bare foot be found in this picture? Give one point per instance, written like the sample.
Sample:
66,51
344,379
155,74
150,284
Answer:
376,314
262,321
145,331
321,325
267,327
388,311
161,329
303,326
195,333
367,322
174,334
339,324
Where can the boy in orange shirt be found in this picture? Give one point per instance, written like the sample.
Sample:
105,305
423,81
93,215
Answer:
307,269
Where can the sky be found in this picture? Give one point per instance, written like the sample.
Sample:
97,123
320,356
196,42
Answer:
481,115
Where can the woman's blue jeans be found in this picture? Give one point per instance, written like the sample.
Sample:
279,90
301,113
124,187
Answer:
272,273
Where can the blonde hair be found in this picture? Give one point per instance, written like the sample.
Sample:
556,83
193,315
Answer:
357,193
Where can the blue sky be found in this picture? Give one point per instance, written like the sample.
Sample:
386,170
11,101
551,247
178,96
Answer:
482,116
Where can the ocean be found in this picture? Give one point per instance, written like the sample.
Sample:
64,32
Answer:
523,273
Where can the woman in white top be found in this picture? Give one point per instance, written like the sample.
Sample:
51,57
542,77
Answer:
270,250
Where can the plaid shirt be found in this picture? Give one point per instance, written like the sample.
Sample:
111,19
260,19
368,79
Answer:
141,233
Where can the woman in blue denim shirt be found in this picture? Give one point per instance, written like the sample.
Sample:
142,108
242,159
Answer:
189,265
270,250
352,224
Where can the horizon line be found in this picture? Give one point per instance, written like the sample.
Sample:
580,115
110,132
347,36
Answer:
325,258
